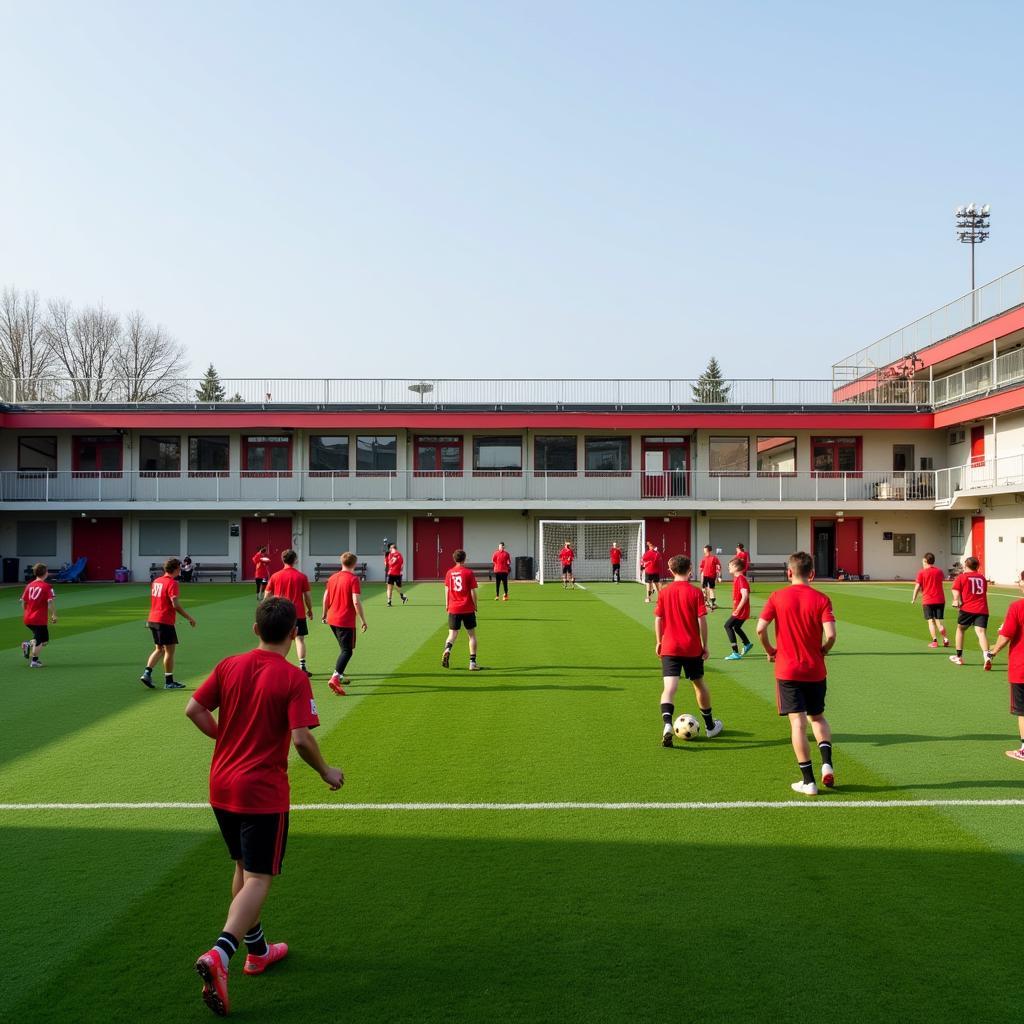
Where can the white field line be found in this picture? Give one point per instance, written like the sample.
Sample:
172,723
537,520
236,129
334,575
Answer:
684,805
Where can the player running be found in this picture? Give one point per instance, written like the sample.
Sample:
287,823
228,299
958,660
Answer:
933,598
261,570
293,585
802,615
615,557
342,604
650,566
565,556
740,611
710,574
1011,633
501,563
264,703
681,641
37,598
164,608
393,563
460,600
970,596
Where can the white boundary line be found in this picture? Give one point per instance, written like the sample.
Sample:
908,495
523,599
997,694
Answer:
683,805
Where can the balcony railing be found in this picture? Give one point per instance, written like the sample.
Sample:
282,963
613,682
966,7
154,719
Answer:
991,474
643,488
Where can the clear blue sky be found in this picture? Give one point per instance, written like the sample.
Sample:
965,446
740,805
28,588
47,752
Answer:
528,189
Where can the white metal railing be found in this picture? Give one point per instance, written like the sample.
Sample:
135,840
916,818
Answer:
981,377
986,475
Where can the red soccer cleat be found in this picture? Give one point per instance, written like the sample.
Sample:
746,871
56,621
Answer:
335,685
211,969
258,964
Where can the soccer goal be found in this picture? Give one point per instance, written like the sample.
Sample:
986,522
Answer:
591,541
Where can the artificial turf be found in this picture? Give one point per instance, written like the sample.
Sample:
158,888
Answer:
552,915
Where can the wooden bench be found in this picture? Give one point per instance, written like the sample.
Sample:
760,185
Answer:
215,570
324,569
482,567
766,570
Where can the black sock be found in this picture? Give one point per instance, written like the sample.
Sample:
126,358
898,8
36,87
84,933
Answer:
826,751
709,720
807,771
147,671
255,941
472,659
735,649
447,645
168,677
960,652
667,711
302,662
227,944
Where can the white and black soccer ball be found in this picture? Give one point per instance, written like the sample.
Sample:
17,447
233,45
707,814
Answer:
686,727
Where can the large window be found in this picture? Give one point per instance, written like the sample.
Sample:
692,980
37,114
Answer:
554,454
836,454
37,454
209,455
776,537
207,537
956,536
442,454
36,538
776,455
371,534
498,455
328,453
265,454
159,454
159,538
97,453
729,456
328,537
607,454
376,454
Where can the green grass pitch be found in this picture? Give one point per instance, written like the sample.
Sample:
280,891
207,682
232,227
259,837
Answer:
847,914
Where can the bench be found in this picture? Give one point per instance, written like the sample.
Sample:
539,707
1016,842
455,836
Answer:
482,567
215,570
766,570
323,569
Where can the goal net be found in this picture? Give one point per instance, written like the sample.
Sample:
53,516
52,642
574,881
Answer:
591,541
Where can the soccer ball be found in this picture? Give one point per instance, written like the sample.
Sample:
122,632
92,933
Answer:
686,727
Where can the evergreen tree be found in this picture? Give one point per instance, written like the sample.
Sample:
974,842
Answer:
711,386
210,388
236,397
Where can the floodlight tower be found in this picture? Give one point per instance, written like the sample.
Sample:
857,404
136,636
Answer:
972,226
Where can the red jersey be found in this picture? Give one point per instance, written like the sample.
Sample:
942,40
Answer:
565,555
744,558
459,585
501,560
739,584
798,612
710,567
1013,630
650,561
161,600
261,699
340,609
680,607
37,597
261,566
292,584
616,556
930,582
973,590
393,562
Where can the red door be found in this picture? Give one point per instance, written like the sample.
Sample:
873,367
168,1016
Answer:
98,540
849,555
275,533
978,541
978,445
670,538
434,541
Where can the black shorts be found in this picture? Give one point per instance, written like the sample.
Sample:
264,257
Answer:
163,634
934,611
708,581
457,621
979,619
41,634
501,577
691,668
567,569
346,637
261,585
1017,699
301,627
616,566
794,697
257,840
651,577
395,581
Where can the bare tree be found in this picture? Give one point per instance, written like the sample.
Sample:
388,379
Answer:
85,344
25,354
148,363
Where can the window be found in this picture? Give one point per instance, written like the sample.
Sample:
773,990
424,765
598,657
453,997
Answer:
729,456
370,534
438,455
776,536
903,543
776,455
554,454
376,454
498,455
328,453
266,455
96,454
37,454
836,454
607,454
328,537
956,536
207,537
36,538
208,455
159,455
159,538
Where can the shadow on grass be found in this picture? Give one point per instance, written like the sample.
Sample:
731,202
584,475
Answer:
897,739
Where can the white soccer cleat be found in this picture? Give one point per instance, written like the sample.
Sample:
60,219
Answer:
715,729
805,788
956,659
828,775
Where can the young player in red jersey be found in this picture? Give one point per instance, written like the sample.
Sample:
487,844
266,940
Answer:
681,641
37,599
501,563
650,566
261,570
970,597
265,704
740,611
342,604
164,608
1011,633
933,599
615,557
393,563
805,630
293,585
460,600
710,574
565,556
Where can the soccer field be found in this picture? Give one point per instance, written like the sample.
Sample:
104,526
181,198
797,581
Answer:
848,907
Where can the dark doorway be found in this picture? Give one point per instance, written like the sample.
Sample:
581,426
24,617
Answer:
824,548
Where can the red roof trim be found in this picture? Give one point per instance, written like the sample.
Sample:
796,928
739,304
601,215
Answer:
1006,401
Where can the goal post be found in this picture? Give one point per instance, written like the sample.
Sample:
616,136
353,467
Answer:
591,540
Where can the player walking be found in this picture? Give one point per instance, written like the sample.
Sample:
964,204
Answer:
681,641
393,563
805,630
933,598
565,556
710,574
650,566
342,604
164,608
261,570
1011,633
264,703
501,563
615,557
742,557
740,611
293,585
970,596
460,599
37,598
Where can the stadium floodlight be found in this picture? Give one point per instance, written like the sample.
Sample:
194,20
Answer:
972,226
591,540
